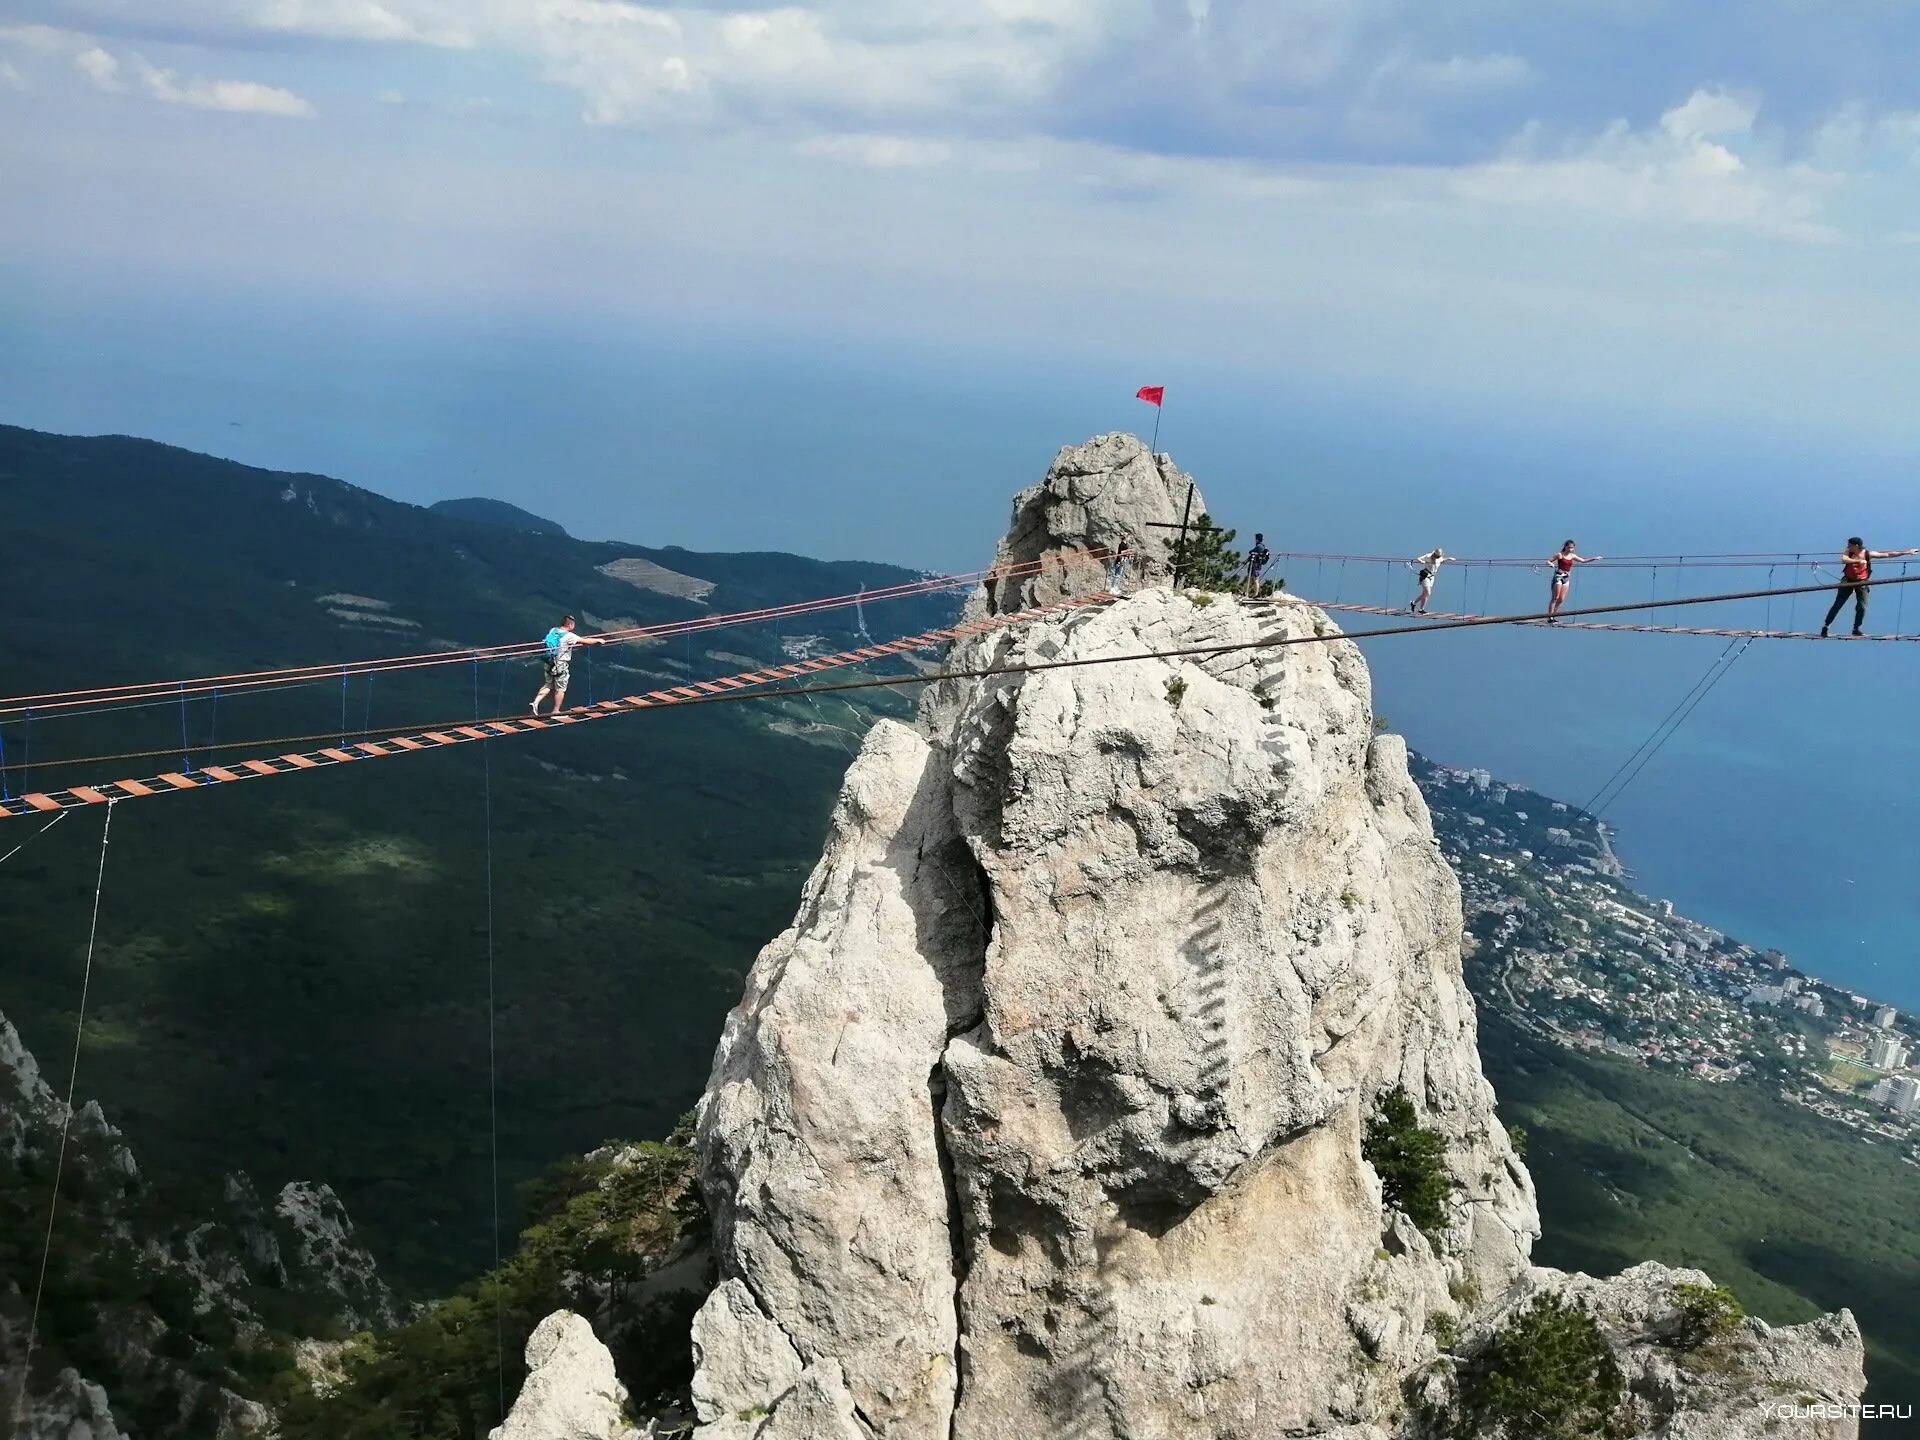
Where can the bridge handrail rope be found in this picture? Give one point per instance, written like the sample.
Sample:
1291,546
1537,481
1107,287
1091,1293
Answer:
1756,560
1562,623
168,691
760,685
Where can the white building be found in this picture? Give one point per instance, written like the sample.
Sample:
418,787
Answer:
1813,1005
1884,1017
1905,1097
1790,985
1886,1053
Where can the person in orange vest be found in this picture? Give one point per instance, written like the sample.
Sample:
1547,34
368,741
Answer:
1856,571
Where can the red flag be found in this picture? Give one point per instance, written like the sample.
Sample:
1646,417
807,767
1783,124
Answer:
1152,394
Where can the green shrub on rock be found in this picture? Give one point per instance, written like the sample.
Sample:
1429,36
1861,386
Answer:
1206,560
1411,1161
1707,1312
1547,1374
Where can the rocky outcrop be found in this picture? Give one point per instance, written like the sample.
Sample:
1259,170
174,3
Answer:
326,1259
1107,495
71,1408
571,1392
1751,1380
184,1367
1048,1113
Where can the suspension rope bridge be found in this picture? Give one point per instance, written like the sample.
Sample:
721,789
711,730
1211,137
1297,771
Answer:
169,692
463,731
764,684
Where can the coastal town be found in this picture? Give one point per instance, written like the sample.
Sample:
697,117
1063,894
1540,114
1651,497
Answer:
1560,942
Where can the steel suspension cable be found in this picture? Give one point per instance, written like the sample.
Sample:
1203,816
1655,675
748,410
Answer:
66,1117
33,837
493,1072
1678,706
1674,729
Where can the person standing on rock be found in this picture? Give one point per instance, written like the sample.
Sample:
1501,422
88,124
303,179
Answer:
558,660
1429,564
1856,570
1257,560
1563,564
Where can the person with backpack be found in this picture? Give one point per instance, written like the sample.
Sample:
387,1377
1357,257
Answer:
1429,564
1258,558
558,660
1563,564
1856,571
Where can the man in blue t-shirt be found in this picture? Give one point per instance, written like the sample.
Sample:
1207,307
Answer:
558,661
1257,560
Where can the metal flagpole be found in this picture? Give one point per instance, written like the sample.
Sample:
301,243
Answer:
1180,550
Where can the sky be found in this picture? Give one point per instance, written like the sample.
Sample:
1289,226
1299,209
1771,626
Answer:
1688,215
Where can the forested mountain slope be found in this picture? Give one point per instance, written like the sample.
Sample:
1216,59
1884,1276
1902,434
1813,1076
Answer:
292,978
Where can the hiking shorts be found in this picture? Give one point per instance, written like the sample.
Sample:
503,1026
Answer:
558,672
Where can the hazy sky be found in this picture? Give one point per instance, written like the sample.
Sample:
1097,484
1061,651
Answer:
1613,206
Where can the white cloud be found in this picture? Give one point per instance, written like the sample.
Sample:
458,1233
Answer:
108,73
1708,113
99,67
43,39
10,78
247,97
1858,136
1674,171
424,24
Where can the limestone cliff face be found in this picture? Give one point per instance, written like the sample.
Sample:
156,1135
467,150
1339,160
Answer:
1045,1116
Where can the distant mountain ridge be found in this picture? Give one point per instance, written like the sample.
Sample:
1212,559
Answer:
483,510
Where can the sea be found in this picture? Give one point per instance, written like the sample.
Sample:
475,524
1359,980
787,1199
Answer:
1785,811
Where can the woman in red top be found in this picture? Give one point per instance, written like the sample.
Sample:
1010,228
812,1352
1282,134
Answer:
1563,564
1856,569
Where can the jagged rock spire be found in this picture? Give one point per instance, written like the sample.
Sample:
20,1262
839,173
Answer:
1106,494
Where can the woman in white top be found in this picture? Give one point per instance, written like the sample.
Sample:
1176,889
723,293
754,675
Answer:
1429,564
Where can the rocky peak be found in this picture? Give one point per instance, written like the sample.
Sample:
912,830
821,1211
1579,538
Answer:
1048,1113
571,1392
1109,493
